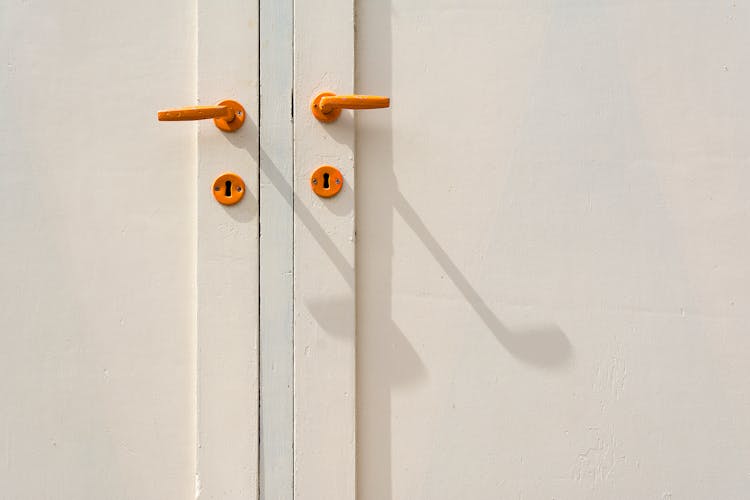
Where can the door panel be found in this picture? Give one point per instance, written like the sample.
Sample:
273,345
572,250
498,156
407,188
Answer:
227,257
551,265
99,223
324,245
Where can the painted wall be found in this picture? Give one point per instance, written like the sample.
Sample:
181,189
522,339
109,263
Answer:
552,274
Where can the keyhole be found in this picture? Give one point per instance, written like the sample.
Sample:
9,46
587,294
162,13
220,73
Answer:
325,180
228,189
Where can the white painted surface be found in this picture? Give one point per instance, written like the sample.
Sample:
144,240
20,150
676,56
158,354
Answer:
324,322
552,250
100,213
276,251
228,257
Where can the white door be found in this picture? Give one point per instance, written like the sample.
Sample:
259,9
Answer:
128,294
550,296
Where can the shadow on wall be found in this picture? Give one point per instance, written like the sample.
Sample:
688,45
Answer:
545,346
390,360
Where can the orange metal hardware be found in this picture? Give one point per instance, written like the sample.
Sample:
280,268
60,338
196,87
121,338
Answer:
228,115
327,106
228,188
326,181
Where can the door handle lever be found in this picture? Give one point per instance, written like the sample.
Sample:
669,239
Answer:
327,106
228,115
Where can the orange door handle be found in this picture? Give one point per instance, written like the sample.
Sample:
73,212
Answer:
327,106
228,115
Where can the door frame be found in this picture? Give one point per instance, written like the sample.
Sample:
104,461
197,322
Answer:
276,196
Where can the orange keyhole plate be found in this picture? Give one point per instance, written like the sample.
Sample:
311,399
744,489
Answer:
326,181
228,188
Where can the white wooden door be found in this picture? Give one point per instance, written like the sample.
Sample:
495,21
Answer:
128,295
552,286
